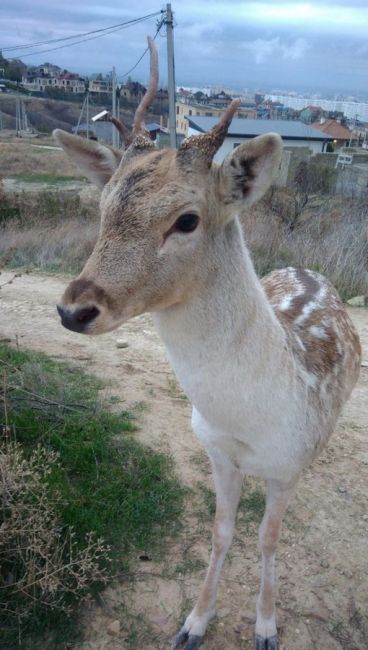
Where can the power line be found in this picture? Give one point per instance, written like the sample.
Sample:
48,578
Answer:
84,40
159,26
68,38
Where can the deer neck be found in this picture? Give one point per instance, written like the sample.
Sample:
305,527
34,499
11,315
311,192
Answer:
228,323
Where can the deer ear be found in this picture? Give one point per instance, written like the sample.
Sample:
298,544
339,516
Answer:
248,171
95,160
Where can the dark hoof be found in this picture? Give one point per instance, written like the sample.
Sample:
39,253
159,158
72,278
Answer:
266,644
180,638
192,641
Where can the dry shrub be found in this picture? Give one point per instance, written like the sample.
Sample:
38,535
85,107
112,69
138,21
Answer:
331,238
41,565
52,231
26,158
63,248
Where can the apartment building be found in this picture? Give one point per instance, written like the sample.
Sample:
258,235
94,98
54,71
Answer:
184,110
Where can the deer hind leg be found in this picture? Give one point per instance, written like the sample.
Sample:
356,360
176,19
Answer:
278,496
228,483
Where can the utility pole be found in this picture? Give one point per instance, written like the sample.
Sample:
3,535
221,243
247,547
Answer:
171,74
17,117
87,114
115,134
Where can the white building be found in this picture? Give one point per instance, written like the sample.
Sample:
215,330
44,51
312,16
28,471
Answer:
294,134
350,109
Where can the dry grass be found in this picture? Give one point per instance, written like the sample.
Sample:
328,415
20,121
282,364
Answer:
27,158
40,560
53,231
62,248
50,231
330,237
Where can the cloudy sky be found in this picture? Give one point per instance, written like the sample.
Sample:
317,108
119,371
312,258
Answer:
269,44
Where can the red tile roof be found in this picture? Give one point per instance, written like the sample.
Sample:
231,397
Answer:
334,129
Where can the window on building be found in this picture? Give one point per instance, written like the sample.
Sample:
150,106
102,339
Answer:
177,110
190,111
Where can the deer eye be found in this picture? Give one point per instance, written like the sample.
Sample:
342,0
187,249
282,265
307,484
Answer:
186,223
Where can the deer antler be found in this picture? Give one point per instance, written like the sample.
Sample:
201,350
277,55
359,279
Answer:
120,126
206,144
138,124
139,136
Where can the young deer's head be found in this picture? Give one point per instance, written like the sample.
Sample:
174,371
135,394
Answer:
159,211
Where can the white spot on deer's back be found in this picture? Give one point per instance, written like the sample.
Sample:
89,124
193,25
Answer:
307,310
319,332
286,302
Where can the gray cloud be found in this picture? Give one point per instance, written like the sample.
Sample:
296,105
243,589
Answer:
242,44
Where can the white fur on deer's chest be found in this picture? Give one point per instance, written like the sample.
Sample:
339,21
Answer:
255,451
255,422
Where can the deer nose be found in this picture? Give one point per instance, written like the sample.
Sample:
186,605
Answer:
77,320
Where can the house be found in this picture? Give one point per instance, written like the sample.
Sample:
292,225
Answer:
221,100
47,68
183,95
100,85
102,131
310,114
341,134
294,134
185,110
154,129
162,95
51,76
132,91
200,97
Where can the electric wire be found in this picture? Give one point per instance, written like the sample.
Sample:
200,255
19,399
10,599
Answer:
84,40
109,29
159,26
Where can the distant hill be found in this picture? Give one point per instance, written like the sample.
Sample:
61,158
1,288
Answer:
48,114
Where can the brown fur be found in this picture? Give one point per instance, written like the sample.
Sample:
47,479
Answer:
323,337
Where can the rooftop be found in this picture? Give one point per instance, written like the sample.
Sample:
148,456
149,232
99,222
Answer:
334,129
288,129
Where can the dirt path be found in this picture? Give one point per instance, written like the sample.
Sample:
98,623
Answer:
323,568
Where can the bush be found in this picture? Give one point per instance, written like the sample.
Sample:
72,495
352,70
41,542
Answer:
80,497
329,237
50,231
41,562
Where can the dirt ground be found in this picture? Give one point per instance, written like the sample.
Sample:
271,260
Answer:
323,553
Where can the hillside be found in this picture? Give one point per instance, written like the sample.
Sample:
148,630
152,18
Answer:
47,114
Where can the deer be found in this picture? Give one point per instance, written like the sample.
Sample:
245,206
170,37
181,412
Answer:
267,364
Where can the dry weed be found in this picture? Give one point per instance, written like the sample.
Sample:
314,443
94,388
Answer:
330,237
27,158
52,231
40,563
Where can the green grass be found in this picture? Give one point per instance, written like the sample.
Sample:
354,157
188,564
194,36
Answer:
109,483
50,179
190,566
251,504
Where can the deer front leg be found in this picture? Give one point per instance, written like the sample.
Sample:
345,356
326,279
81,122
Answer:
277,500
228,485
